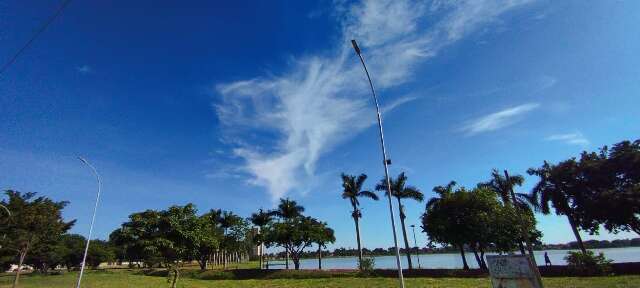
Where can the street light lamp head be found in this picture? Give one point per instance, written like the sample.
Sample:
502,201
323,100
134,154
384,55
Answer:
355,46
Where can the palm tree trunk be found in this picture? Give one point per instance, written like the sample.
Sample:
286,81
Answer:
319,257
465,266
355,219
530,249
404,233
576,233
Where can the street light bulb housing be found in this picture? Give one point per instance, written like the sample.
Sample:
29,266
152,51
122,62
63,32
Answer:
355,46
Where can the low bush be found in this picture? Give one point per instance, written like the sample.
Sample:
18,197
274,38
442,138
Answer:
367,265
588,263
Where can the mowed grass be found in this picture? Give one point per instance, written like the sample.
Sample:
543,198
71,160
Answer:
128,279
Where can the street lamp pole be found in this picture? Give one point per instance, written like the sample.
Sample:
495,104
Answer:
415,243
93,218
385,161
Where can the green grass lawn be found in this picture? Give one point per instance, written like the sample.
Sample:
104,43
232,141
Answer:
127,279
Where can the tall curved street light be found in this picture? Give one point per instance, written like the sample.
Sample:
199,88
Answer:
93,218
385,161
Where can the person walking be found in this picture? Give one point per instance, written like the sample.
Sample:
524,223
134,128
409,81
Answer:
547,261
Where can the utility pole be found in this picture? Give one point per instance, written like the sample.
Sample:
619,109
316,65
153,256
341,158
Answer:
93,219
385,161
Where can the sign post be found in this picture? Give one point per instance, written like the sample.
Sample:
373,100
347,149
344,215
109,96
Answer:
513,271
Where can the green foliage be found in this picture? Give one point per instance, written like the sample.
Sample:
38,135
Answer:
367,264
296,232
475,218
35,226
99,252
588,263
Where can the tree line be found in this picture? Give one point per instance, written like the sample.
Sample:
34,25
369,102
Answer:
597,189
33,233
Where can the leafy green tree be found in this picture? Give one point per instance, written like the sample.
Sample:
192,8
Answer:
352,190
139,236
260,219
209,236
128,244
475,219
73,250
99,252
47,255
442,220
613,187
34,222
322,235
177,239
400,190
294,235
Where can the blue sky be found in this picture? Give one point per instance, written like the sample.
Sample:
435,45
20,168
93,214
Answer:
232,105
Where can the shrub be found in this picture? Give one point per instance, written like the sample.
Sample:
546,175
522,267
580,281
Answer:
367,265
588,263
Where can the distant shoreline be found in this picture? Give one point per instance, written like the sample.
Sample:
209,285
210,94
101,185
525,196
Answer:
590,244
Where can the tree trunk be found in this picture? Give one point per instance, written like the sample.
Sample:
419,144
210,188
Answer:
319,257
355,219
23,254
530,249
176,274
465,266
202,261
475,254
484,264
286,258
260,255
404,233
296,262
521,247
576,233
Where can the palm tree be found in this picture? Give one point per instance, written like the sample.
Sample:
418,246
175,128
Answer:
287,210
559,185
503,187
352,190
400,190
227,219
261,219
442,191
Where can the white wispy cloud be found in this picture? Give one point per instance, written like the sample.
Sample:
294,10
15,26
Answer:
498,120
575,138
322,99
84,69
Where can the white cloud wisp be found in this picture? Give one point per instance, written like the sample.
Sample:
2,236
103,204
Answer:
322,100
575,138
498,120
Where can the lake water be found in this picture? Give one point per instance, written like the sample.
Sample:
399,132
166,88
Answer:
618,255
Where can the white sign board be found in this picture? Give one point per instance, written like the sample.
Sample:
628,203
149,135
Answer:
513,271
